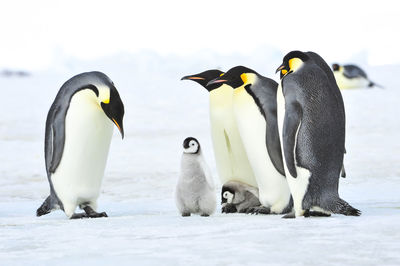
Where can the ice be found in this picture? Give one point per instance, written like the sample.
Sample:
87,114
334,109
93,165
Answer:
144,226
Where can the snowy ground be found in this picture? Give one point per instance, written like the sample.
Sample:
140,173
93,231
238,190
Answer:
143,226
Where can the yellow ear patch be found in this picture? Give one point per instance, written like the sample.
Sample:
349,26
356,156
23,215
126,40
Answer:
244,78
106,101
295,63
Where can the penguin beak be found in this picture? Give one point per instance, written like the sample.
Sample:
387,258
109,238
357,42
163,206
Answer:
280,68
119,126
217,80
192,78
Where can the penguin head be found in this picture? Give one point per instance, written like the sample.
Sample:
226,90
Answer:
236,77
204,77
227,195
292,62
335,67
105,95
191,145
114,108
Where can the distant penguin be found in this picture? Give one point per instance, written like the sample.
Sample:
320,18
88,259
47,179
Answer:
230,155
351,76
238,197
311,121
195,192
254,108
79,127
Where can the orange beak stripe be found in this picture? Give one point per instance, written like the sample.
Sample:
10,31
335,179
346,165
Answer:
115,122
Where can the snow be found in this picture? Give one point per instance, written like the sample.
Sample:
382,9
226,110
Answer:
144,227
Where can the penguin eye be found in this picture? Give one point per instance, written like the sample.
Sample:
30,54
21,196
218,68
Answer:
225,195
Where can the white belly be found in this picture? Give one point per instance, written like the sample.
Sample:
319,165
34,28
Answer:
298,186
230,155
345,83
273,189
88,134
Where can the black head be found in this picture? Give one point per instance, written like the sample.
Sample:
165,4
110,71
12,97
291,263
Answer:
227,194
191,145
335,67
235,77
204,77
114,109
291,62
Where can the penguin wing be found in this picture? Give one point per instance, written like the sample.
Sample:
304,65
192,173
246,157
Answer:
264,94
291,124
55,137
353,71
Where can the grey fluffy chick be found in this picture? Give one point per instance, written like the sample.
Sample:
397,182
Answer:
195,191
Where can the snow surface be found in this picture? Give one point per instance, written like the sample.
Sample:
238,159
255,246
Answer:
144,227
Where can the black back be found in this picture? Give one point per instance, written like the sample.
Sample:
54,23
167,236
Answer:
314,103
264,94
353,71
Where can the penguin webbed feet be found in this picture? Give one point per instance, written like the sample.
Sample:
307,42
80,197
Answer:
229,208
290,215
309,213
258,210
89,213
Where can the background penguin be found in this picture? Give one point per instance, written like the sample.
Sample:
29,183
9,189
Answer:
230,155
351,76
254,107
195,189
238,197
79,127
311,122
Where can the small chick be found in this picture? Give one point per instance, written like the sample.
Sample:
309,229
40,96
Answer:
238,197
195,191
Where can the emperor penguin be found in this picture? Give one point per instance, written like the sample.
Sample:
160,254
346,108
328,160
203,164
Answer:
254,109
238,197
311,121
230,155
79,127
195,191
351,76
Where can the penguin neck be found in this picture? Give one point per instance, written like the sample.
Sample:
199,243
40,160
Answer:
221,97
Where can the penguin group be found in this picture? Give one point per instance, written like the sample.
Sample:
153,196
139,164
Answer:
279,147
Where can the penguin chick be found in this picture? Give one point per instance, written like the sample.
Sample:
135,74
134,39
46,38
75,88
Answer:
352,76
195,188
238,197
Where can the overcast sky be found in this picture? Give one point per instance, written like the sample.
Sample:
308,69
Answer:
35,32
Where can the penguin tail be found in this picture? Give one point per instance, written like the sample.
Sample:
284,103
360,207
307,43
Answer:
340,206
45,208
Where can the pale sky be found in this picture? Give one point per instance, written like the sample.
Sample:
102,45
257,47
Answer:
34,32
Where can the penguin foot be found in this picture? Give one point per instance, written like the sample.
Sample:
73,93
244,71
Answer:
229,208
289,215
258,210
308,213
92,214
79,216
185,214
204,215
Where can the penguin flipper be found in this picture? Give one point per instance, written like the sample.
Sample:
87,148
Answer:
55,137
291,126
